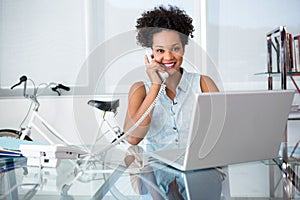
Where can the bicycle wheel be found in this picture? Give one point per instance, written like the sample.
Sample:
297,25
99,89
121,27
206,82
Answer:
12,134
9,133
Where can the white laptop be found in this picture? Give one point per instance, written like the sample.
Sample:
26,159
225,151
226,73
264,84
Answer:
232,127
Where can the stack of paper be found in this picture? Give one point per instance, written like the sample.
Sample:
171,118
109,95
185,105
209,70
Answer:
7,152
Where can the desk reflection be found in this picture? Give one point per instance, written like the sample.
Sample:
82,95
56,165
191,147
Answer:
118,174
154,180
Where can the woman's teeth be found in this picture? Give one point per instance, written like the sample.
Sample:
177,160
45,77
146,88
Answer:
169,65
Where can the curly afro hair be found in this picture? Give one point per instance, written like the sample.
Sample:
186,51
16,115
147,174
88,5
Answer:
162,18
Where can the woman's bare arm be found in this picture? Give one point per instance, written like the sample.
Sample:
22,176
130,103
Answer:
138,103
207,84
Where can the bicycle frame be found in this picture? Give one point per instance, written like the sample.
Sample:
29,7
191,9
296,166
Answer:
112,129
31,124
34,113
36,116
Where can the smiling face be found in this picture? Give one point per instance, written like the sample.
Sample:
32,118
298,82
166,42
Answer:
168,50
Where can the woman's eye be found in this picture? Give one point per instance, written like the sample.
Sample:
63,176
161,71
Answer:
176,49
160,51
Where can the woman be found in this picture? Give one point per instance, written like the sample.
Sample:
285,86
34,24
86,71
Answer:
166,32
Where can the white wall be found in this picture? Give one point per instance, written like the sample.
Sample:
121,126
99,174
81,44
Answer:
43,39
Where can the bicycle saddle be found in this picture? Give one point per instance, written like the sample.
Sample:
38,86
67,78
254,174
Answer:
105,105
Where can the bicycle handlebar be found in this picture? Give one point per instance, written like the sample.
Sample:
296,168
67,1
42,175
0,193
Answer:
58,87
22,79
33,97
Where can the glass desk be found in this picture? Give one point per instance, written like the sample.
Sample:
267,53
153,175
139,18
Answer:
126,173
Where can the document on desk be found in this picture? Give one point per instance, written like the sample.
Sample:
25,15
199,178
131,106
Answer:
9,153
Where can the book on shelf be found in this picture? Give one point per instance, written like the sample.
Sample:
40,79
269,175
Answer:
277,47
289,51
297,52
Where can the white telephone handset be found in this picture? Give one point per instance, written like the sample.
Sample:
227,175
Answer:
163,75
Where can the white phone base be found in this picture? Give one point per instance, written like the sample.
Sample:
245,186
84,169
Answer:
49,155
45,162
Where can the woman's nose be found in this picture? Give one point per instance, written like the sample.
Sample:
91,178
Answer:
168,55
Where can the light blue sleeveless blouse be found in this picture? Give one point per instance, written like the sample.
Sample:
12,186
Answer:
171,119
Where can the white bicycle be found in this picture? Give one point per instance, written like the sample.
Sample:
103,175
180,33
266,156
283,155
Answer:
24,131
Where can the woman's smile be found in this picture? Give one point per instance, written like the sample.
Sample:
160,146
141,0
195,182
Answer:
169,65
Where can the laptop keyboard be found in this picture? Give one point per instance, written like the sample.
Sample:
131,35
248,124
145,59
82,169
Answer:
174,155
180,160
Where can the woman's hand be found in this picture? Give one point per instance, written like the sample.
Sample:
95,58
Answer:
152,67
